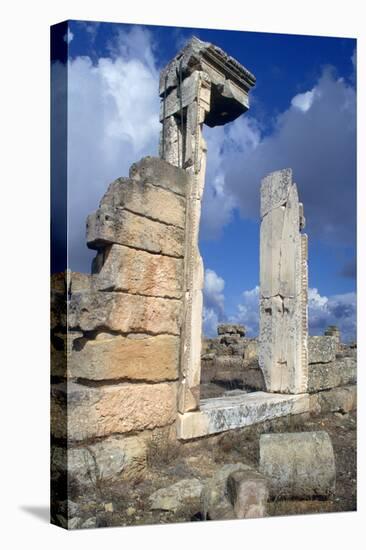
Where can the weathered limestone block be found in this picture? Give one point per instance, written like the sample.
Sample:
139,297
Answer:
279,245
190,365
215,502
227,329
113,458
228,339
298,465
251,350
109,226
61,348
147,200
275,189
140,272
333,331
223,413
283,355
279,350
108,357
112,409
248,493
189,95
179,496
158,172
170,142
343,399
78,282
322,349
118,311
323,376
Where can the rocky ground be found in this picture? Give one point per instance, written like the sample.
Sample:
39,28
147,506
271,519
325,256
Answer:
190,464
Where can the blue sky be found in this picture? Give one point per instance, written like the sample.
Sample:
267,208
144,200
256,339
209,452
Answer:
302,116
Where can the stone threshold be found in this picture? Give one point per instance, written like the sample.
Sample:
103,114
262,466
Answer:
227,413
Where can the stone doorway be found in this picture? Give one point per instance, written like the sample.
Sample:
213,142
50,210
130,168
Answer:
204,85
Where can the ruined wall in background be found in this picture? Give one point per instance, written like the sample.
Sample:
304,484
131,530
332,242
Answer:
230,362
116,334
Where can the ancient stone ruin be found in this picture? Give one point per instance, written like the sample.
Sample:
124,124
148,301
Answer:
283,349
127,339
201,85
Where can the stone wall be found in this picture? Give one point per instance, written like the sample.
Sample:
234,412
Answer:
116,334
332,374
230,361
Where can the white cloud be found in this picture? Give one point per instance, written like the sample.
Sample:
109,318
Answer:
218,201
339,310
248,312
315,136
113,108
214,302
213,290
303,101
68,36
210,322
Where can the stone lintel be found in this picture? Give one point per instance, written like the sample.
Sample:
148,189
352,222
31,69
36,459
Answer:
229,81
198,54
226,413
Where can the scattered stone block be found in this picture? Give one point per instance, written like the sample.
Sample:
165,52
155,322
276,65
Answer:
248,493
180,495
215,503
228,339
298,465
231,329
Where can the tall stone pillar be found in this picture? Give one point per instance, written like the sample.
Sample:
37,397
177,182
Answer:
202,84
283,355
